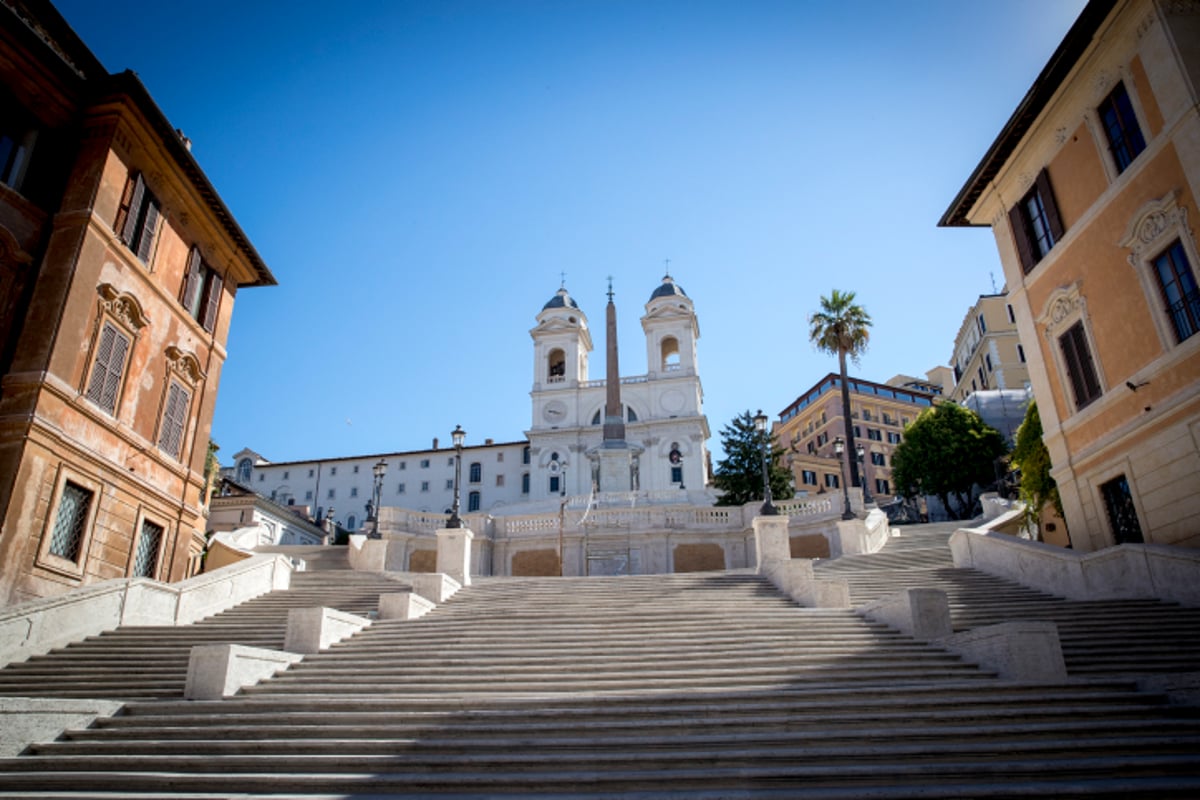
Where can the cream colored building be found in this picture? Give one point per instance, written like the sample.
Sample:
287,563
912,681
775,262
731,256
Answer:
1090,190
987,350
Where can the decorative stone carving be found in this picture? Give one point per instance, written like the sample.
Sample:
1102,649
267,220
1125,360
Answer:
1152,228
184,364
1060,135
1065,304
123,307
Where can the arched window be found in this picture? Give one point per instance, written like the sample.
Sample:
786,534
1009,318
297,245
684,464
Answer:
476,472
670,354
243,470
630,415
351,522
473,500
556,364
525,455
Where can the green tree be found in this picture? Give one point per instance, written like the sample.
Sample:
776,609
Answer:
840,328
1031,457
739,474
947,452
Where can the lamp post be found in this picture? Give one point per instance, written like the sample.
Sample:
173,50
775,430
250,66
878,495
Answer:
862,471
457,436
839,448
760,424
379,470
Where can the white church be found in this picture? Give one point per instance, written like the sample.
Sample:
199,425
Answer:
665,429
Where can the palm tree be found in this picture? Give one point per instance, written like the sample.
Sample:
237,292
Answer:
841,327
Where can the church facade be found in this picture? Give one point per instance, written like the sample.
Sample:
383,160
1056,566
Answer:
665,431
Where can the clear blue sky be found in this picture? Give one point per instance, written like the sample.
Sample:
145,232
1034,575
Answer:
417,175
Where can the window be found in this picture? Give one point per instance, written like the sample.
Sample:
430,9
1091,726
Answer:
1011,317
450,484
1021,354
811,447
1081,370
500,457
1178,286
808,477
333,470
308,494
262,476
1122,515
1121,128
556,366
66,538
476,472
676,474
424,486
893,438
525,483
356,469
473,501
450,461
1035,223
499,480
201,294
331,494
424,463
17,137
555,484
174,421
981,323
145,561
403,465
354,491
982,378
137,218
351,522
857,432
822,439
400,488
874,434
243,470
987,361
286,473
831,481
525,455
879,459
104,385
881,486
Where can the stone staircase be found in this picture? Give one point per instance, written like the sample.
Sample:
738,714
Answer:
1099,638
707,685
151,661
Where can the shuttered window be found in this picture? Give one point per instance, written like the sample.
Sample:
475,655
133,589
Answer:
170,438
137,218
1035,223
201,294
105,382
145,562
1125,140
1081,370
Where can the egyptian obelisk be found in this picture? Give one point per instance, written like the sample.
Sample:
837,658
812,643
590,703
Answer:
614,471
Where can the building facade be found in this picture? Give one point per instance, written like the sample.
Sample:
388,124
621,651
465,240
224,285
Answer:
988,354
118,269
1090,190
808,427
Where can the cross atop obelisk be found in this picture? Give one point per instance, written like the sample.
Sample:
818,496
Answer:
614,420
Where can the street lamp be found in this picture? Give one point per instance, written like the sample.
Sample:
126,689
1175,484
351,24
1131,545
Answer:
839,447
379,470
457,436
863,472
760,425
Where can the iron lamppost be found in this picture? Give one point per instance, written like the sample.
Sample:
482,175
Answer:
379,470
862,472
760,424
458,435
839,448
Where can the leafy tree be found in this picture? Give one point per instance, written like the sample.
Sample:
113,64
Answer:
947,451
840,328
1032,458
739,474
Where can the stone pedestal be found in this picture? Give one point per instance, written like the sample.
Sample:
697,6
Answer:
615,468
454,553
771,541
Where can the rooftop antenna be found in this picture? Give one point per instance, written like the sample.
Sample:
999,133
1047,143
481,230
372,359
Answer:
992,275
610,291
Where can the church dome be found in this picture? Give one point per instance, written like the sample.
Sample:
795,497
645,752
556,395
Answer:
561,300
669,288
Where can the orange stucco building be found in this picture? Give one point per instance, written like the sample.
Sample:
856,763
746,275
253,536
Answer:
1090,190
118,269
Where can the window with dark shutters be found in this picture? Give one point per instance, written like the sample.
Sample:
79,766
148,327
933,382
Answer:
170,438
201,294
190,298
1081,370
1035,223
137,218
105,381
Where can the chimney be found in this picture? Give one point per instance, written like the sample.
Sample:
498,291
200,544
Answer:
187,143
489,442
435,443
